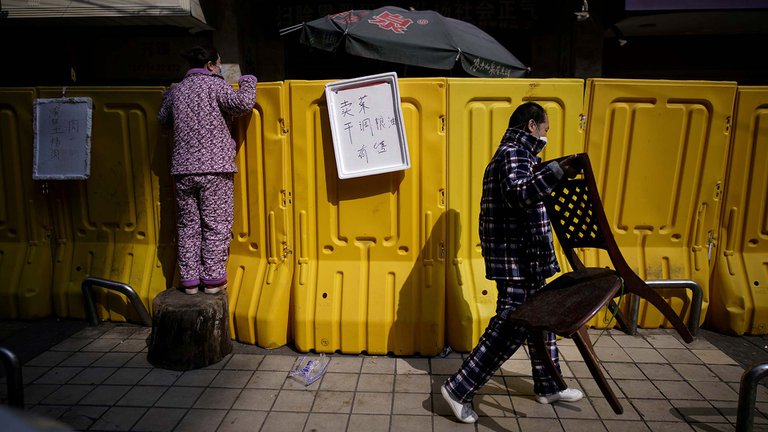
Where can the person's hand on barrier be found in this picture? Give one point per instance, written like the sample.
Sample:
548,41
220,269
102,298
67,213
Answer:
570,166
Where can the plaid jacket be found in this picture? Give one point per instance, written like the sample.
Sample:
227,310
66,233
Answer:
515,235
199,108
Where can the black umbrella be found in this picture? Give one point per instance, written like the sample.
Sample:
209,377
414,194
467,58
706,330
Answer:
419,38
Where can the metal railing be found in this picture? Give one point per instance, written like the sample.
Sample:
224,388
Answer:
90,307
697,295
745,413
13,375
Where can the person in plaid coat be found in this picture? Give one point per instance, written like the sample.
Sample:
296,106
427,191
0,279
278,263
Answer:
516,241
199,109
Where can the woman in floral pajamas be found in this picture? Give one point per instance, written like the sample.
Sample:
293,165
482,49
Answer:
203,165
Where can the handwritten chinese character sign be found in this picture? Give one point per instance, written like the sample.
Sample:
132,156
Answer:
62,147
367,125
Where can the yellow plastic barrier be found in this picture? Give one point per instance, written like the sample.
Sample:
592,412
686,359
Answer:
370,267
117,224
738,295
659,151
260,266
478,115
26,264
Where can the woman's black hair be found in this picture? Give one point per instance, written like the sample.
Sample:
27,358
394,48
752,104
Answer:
525,112
199,56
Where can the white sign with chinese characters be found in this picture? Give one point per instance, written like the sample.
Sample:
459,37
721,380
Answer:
62,147
367,125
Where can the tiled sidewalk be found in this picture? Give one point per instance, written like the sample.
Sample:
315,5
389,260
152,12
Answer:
99,379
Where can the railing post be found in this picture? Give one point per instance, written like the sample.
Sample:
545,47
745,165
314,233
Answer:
745,413
125,289
13,375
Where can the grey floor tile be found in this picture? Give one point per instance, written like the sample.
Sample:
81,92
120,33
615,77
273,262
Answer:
217,398
92,375
333,402
575,410
379,365
81,417
661,341
514,367
676,390
372,403
679,355
539,424
139,360
68,394
639,389
450,424
578,369
407,366
605,411
180,397
527,407
698,411
607,354
105,395
413,384
376,383
368,423
342,364
160,377
277,363
81,359
111,359
49,358
34,393
582,425
691,372
196,378
645,355
284,421
294,400
717,427
59,375
631,341
728,373
120,331
255,400
490,405
489,424
715,391
71,344
447,366
626,425
339,381
410,423
241,420
201,420
414,404
519,385
159,420
326,422
623,370
656,372
144,396
30,374
101,345
244,362
130,346
713,356
119,419
127,376
496,385
266,380
656,410
232,378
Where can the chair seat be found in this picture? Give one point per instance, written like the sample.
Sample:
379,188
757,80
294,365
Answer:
567,303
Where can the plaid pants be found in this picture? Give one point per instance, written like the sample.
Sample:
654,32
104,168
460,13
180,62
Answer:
500,340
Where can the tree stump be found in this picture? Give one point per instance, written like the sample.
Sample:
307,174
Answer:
189,331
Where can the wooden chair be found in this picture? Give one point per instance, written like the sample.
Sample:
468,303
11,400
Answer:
567,303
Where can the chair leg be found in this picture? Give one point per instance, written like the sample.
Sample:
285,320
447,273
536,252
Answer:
644,291
537,336
621,319
581,338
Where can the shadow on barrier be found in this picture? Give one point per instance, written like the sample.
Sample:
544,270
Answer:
13,376
90,307
745,413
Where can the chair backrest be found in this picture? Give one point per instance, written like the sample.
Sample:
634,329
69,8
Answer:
578,219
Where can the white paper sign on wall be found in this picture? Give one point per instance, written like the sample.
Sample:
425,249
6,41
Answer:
62,146
367,125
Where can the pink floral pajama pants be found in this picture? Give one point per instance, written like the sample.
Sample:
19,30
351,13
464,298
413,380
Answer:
205,212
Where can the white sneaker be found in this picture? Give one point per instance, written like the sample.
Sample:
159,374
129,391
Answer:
567,395
216,289
462,411
191,290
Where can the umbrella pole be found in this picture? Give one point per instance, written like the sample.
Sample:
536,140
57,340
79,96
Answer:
292,28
